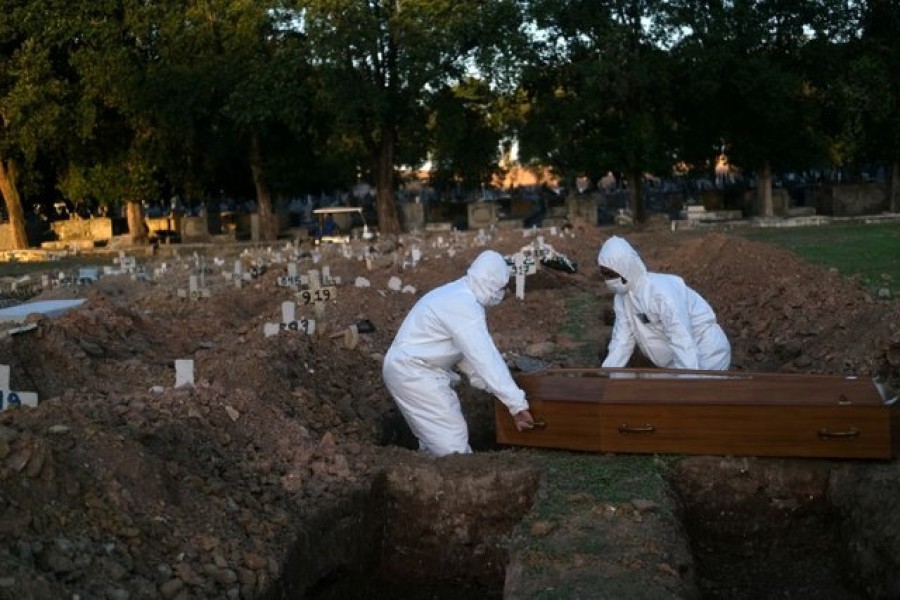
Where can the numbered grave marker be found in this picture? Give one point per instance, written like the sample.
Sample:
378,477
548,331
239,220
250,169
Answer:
195,291
522,266
292,279
289,322
328,279
237,274
13,399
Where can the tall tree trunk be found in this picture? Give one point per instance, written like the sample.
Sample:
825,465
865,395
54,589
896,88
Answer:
134,214
894,188
636,196
268,224
764,191
388,221
8,175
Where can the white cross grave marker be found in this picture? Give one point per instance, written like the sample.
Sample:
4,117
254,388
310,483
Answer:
9,398
194,291
522,266
317,295
289,322
292,279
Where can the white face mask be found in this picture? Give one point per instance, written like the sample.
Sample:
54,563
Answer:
496,297
616,286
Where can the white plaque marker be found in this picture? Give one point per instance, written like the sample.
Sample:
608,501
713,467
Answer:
184,372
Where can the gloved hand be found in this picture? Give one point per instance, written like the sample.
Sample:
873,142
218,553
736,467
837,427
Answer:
523,420
477,382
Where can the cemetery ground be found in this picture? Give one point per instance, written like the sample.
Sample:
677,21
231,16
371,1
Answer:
280,468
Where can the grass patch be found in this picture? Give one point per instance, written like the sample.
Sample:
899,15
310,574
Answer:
606,478
868,253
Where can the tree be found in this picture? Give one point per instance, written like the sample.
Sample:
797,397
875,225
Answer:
464,135
597,93
34,102
380,59
750,87
865,94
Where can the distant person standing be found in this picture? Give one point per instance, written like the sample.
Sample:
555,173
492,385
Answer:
671,324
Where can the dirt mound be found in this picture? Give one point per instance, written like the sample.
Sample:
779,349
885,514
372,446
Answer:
120,485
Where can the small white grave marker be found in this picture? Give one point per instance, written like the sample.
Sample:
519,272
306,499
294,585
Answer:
184,372
292,279
194,291
10,398
289,322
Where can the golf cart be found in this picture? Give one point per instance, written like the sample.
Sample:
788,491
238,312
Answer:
335,224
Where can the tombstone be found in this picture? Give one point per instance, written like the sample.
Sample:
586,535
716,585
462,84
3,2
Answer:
195,290
289,322
10,398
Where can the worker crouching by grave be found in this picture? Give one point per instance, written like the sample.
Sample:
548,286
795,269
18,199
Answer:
671,324
446,330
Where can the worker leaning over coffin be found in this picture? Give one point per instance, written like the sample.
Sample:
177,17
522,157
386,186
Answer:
671,324
447,329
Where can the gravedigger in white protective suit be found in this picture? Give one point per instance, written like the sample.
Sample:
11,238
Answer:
673,326
447,329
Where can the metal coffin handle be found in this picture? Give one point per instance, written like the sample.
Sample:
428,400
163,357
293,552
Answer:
826,434
626,429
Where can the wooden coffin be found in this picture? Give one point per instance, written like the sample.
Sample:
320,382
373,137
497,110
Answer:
704,412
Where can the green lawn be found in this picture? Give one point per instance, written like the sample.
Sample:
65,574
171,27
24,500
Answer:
867,253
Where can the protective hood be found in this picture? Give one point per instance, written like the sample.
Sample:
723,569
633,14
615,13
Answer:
487,278
621,257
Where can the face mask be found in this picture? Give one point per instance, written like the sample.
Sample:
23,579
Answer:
496,297
616,286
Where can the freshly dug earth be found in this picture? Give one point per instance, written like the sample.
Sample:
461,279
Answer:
286,465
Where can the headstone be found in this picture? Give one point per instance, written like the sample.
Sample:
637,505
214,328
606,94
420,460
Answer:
10,398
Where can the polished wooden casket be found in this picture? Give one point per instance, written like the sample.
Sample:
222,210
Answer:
704,412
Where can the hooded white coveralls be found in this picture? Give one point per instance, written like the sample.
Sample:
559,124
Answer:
447,328
671,323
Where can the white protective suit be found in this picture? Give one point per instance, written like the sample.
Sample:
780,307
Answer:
447,328
671,323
